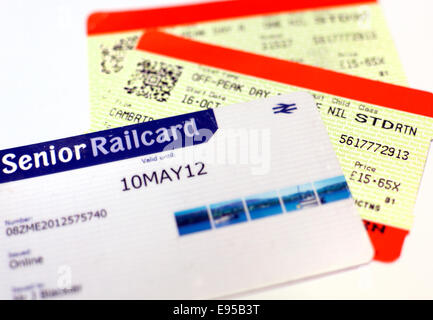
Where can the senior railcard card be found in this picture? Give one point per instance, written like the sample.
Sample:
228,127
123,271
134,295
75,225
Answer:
198,205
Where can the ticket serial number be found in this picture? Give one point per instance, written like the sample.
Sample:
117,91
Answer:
374,147
56,222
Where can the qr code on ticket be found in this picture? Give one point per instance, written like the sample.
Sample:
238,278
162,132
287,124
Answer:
112,57
154,80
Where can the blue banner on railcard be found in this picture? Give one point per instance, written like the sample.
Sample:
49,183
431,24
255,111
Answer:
106,146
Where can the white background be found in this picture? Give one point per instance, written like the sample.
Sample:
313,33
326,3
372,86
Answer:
44,95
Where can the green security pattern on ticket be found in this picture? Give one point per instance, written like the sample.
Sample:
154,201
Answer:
372,158
352,39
